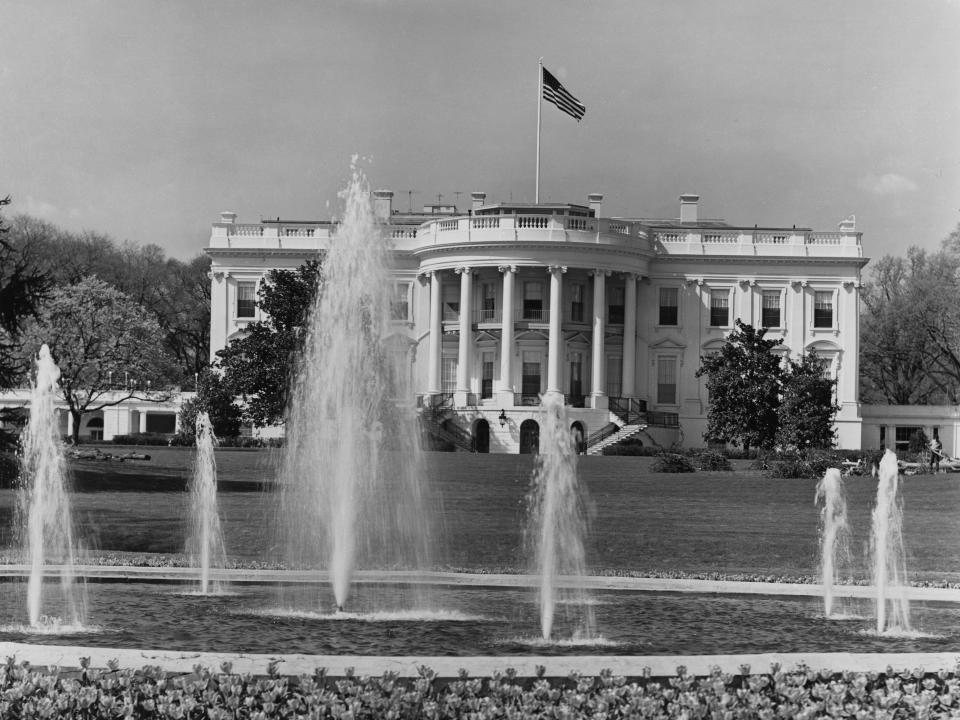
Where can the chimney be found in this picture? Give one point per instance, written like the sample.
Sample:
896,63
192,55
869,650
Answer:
688,208
228,218
477,200
595,200
383,204
848,225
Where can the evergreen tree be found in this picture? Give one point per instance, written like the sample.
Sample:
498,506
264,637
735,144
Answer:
260,366
807,409
744,381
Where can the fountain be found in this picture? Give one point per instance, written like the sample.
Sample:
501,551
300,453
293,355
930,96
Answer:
886,543
558,521
44,504
350,480
834,533
205,542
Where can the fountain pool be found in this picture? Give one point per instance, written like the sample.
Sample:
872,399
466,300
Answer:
470,621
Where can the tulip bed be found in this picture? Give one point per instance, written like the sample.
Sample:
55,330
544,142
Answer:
150,692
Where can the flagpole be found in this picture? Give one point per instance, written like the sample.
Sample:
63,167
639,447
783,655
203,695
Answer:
536,195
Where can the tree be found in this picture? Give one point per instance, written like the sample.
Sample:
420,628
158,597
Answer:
910,327
22,288
807,407
217,401
177,293
259,366
100,340
743,380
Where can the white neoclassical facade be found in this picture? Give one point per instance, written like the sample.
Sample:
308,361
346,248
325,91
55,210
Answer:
509,301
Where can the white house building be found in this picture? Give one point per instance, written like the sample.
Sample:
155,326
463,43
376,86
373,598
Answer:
512,300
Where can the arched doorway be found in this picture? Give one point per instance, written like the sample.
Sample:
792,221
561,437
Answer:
481,437
579,437
529,437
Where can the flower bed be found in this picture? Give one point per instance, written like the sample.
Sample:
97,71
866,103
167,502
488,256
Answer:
152,693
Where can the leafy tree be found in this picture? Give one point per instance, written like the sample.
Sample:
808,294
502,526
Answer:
807,408
98,337
215,399
177,293
910,327
743,380
22,287
260,365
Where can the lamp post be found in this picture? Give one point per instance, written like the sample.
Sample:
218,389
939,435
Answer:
503,418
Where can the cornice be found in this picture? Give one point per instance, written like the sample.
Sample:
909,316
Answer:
545,247
262,252
761,260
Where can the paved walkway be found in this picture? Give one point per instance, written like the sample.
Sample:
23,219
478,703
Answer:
593,582
66,656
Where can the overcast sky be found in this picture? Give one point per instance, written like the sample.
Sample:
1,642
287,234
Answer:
144,120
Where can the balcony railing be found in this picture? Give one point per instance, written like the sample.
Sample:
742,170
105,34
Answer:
577,401
630,410
662,419
526,399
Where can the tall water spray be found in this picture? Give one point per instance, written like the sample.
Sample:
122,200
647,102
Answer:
205,543
834,533
886,543
45,504
351,492
558,520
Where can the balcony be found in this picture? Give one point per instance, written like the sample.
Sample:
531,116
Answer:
758,242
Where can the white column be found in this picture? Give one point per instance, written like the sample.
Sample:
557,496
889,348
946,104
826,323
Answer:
629,336
143,421
69,423
506,335
436,335
466,336
598,390
555,344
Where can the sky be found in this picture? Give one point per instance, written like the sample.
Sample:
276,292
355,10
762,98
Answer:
144,120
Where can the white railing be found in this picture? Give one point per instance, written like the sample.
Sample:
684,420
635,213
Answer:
245,230
721,237
485,223
575,223
526,222
827,238
771,238
403,234
447,225
299,232
671,236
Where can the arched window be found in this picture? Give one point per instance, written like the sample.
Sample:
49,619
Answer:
481,436
529,437
579,437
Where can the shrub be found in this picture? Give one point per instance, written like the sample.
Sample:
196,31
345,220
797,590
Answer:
672,463
632,449
142,439
711,460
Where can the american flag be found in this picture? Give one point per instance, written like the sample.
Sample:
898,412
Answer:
556,93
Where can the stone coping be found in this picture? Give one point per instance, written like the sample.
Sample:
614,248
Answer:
68,657
592,582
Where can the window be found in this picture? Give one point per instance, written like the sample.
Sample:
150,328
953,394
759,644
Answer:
451,301
719,308
614,376
488,313
576,375
533,301
903,435
246,299
530,379
823,309
770,309
669,306
615,306
667,380
400,305
576,303
448,375
486,377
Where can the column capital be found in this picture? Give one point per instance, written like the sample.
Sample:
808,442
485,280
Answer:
463,269
425,276
852,284
507,268
799,284
598,272
556,269
745,283
694,281
632,275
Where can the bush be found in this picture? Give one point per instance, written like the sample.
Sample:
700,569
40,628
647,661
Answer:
672,463
711,460
143,439
634,449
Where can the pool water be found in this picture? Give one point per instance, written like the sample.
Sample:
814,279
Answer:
400,620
